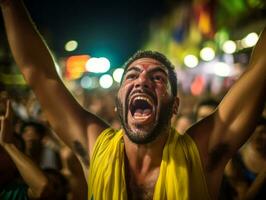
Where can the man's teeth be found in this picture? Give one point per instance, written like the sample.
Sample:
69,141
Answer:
145,99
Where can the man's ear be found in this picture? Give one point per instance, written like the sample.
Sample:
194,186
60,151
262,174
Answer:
176,105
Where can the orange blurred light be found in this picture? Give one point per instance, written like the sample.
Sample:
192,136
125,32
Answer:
75,66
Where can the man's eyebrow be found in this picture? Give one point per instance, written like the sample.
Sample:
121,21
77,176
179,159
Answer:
158,69
133,69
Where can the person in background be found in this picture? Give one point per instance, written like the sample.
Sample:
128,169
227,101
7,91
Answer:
11,185
35,184
146,159
204,108
41,146
182,123
245,174
72,170
32,133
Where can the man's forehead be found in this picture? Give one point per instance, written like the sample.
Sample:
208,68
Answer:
146,63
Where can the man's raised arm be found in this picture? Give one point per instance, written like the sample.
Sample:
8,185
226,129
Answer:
69,120
221,134
237,115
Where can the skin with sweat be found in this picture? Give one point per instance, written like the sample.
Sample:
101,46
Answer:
225,130
145,106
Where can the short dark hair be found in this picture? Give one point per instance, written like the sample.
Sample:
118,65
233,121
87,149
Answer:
40,128
19,142
162,59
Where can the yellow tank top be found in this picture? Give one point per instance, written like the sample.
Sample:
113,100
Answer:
181,175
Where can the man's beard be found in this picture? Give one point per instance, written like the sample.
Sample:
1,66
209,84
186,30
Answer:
160,125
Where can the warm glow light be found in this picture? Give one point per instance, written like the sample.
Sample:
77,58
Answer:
98,65
207,54
75,66
197,85
229,47
191,61
250,40
71,45
106,81
117,74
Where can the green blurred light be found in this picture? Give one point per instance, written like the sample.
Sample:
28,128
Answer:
221,37
87,82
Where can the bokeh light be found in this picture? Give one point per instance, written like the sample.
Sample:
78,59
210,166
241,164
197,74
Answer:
106,81
71,45
88,82
250,40
222,69
98,65
75,66
207,54
229,47
117,74
191,61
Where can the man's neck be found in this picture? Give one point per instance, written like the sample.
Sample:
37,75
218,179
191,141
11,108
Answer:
142,166
143,158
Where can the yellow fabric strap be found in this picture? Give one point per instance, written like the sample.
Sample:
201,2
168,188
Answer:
181,175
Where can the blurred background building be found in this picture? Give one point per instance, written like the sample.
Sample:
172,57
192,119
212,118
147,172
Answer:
209,42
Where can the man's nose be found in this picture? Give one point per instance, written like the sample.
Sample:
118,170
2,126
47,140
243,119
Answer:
143,81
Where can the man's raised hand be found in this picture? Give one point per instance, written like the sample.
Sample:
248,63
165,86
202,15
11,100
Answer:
6,126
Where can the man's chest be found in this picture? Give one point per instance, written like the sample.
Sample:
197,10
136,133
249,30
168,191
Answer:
140,191
141,188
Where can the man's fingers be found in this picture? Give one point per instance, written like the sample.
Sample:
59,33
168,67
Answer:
8,108
4,119
2,126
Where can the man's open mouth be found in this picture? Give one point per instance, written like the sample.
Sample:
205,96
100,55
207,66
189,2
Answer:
142,108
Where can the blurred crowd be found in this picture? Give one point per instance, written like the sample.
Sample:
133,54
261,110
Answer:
46,156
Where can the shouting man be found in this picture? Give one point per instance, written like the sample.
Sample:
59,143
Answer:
146,159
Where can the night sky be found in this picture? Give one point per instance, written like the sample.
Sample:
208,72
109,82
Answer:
114,29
